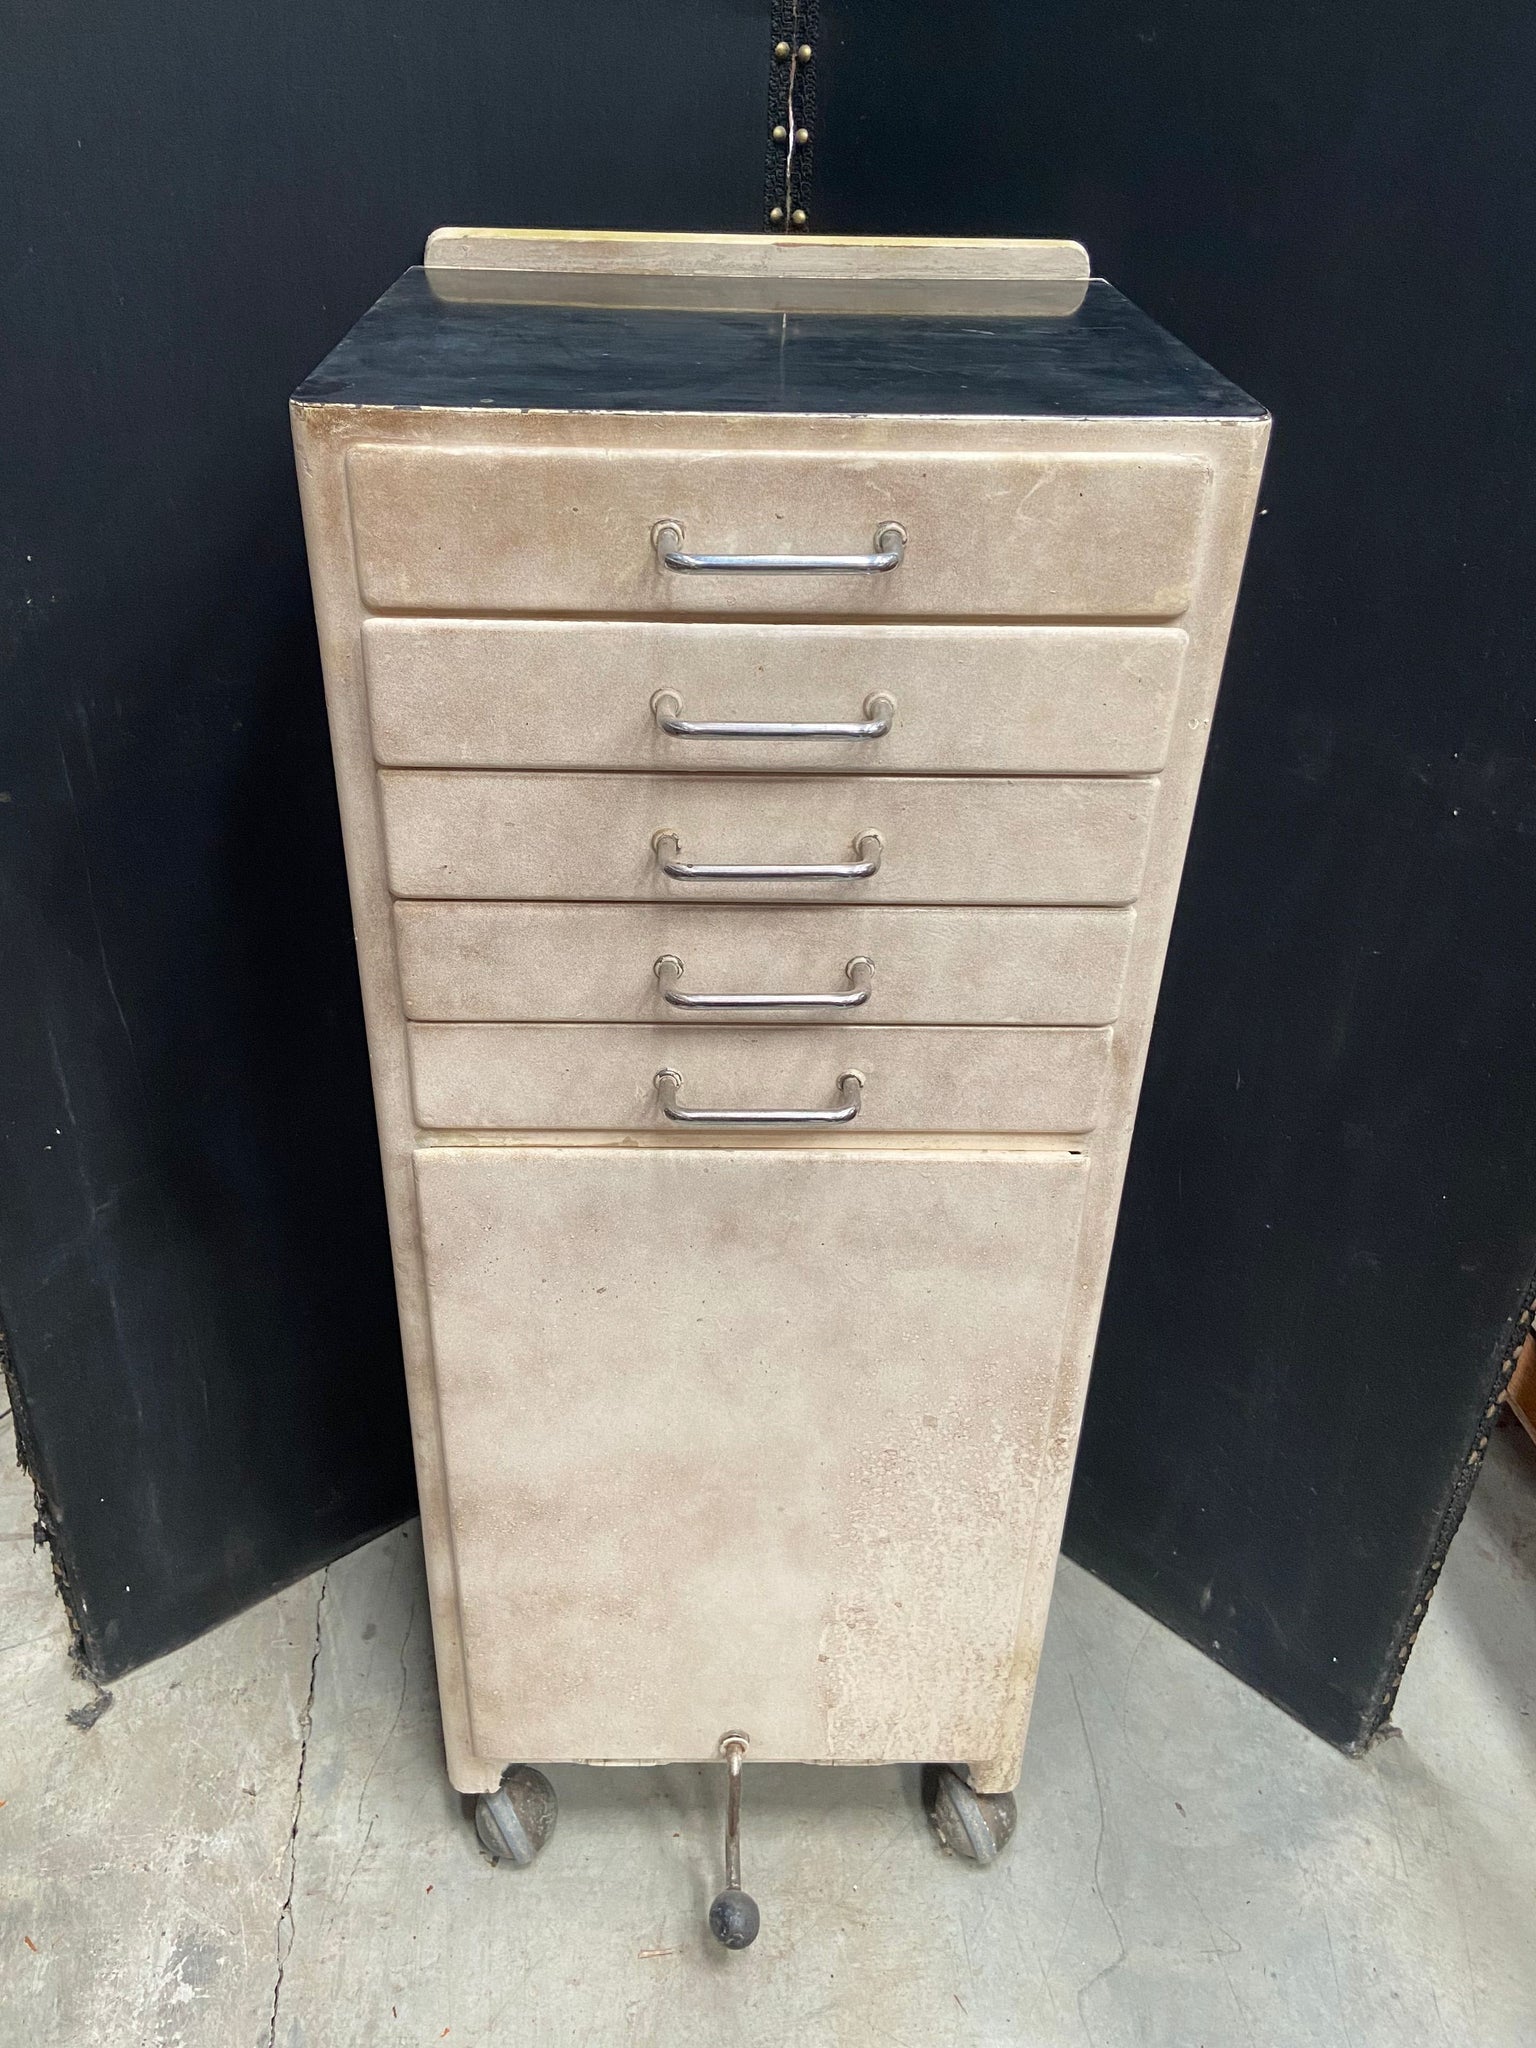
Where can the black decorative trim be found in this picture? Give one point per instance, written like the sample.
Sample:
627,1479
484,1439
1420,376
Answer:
792,106
46,1533
1508,1354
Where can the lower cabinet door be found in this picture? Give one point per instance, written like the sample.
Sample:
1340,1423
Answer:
745,1439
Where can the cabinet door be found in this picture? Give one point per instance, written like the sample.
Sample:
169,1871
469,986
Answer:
745,1440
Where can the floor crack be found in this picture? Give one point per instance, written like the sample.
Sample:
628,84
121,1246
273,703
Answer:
306,1723
1098,1852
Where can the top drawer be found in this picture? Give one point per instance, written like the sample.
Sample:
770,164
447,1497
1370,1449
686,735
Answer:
545,530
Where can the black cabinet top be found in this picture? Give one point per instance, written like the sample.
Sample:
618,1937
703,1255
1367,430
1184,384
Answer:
523,341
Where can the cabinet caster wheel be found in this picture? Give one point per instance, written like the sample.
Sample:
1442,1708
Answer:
518,1818
972,1824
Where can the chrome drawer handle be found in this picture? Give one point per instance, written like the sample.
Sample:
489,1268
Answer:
849,1086
879,712
868,846
860,972
890,546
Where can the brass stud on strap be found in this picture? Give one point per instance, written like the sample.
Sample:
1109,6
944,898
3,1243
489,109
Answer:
776,215
802,135
798,216
804,53
781,51
781,133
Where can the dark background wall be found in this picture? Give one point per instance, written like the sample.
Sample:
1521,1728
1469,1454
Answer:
194,1276
1331,1216
1330,1219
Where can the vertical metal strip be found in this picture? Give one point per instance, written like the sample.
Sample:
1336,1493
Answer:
802,128
1512,1345
791,116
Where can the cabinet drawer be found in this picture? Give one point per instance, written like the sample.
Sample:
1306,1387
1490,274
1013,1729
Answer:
571,530
459,834
589,963
579,1077
998,700
731,1437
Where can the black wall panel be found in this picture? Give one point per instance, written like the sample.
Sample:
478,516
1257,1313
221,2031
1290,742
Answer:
1330,1219
1331,1214
194,1282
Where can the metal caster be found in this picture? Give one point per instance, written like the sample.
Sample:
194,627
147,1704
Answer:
972,1824
734,1918
518,1818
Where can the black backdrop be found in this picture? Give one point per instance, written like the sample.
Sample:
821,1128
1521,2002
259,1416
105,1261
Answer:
1330,1218
194,1274
1331,1215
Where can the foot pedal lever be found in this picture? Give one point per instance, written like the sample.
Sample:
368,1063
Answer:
733,1918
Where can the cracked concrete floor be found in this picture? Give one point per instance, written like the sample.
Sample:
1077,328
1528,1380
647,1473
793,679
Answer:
254,1847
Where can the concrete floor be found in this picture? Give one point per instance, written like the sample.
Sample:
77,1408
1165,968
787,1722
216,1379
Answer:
254,1847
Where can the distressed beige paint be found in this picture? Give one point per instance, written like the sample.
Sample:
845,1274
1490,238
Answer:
1163,524
762,1406
595,962
966,839
493,529
975,700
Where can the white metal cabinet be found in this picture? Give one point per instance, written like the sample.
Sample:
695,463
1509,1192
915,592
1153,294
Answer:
759,1420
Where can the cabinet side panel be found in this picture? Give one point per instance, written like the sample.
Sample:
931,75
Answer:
1237,455
319,445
